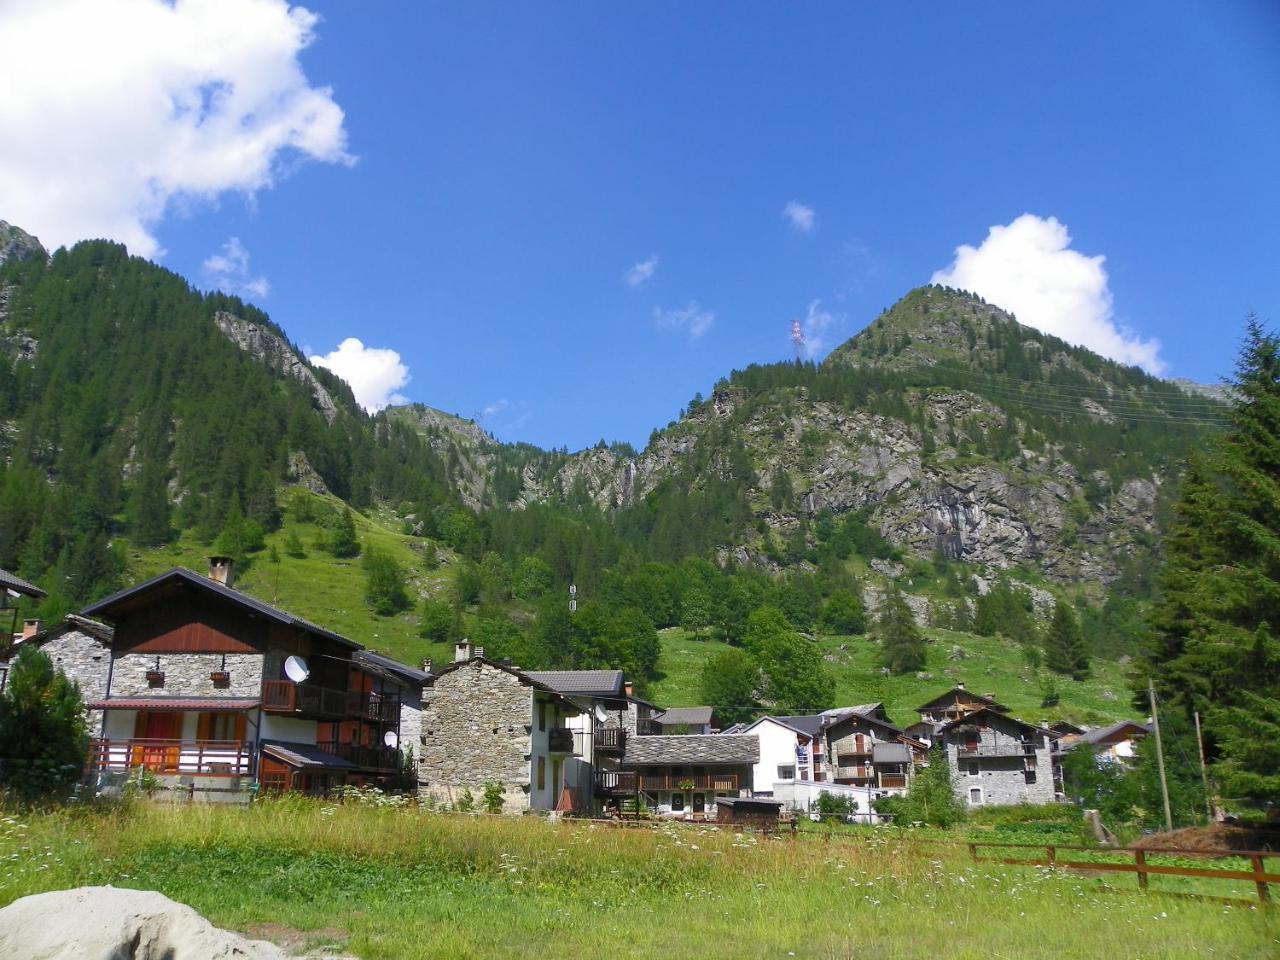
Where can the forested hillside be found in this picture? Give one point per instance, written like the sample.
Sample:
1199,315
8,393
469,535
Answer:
947,461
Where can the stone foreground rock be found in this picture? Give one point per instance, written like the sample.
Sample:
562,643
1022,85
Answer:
112,923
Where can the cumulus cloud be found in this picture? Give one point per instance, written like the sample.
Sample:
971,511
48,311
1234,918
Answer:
374,373
638,273
1029,269
800,217
495,408
691,318
116,113
816,327
228,271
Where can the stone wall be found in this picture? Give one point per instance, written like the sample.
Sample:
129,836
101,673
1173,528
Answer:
1001,779
476,724
86,660
187,675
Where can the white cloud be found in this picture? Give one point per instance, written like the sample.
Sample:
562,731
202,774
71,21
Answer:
799,216
691,318
228,271
374,373
638,273
1029,269
116,113
493,409
816,327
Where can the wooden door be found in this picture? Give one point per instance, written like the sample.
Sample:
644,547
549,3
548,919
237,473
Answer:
152,726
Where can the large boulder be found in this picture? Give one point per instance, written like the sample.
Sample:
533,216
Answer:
111,923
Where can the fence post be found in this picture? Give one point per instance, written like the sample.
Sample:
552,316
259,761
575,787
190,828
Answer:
1263,893
973,852
1140,859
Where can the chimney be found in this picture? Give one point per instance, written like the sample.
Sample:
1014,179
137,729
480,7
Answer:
222,570
479,651
629,687
30,628
463,650
959,684
426,665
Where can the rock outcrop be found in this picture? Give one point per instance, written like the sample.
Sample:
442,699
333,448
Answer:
17,244
276,353
111,923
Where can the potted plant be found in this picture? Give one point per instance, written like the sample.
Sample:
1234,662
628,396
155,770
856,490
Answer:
686,784
221,678
155,678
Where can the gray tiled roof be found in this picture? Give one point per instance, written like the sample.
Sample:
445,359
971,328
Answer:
305,755
599,682
809,725
694,716
11,581
705,748
378,663
1097,736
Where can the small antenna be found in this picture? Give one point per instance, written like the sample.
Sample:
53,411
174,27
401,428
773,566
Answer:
797,338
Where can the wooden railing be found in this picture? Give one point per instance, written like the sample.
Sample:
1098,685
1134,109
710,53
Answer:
199,758
610,739
648,728
890,781
560,740
1005,750
285,696
688,781
375,758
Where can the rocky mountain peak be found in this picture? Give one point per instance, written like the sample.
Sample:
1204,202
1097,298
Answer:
17,244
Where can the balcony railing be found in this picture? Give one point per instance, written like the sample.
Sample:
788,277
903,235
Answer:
648,728
372,758
199,758
630,781
285,696
610,739
860,772
968,751
560,740
890,781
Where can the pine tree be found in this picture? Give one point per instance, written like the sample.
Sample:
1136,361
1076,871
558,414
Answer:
1064,650
342,541
42,728
1215,644
902,647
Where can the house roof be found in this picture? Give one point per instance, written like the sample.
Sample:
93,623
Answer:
890,753
184,576
72,621
174,703
693,716
1066,728
808,724
11,581
704,748
738,728
505,668
600,683
1100,735
993,713
747,803
390,669
305,755
950,694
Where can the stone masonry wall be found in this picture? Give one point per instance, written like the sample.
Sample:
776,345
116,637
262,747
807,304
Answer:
86,660
187,675
476,728
1001,778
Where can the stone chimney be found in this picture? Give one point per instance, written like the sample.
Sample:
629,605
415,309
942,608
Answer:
959,684
629,688
426,665
463,650
30,628
222,570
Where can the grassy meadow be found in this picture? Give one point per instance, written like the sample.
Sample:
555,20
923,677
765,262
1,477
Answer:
408,883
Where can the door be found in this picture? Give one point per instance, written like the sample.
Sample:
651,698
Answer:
699,803
154,728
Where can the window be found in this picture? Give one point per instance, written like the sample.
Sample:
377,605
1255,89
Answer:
975,795
542,716
973,768
1029,776
786,772
677,802
542,773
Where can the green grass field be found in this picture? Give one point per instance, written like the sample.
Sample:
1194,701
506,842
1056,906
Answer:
406,883
991,665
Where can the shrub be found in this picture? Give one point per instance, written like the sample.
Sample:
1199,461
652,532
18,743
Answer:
493,797
42,729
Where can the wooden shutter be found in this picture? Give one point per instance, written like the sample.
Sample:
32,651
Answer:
240,721
140,725
203,722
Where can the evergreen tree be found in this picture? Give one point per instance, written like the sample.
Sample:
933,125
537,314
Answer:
729,681
341,541
293,545
240,535
436,622
1215,647
384,583
1064,650
902,647
42,728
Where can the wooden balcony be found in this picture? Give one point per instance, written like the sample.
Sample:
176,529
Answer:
560,740
196,758
971,751
610,739
893,781
370,758
311,700
631,781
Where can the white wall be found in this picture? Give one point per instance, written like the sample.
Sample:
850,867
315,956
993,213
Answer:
800,796
777,749
287,729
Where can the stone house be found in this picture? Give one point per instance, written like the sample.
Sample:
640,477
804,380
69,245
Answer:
81,648
218,694
487,722
996,759
13,589
866,750
682,720
681,776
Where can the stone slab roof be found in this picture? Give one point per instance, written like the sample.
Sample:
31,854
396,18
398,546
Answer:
1094,737
703,748
380,664
604,683
693,716
305,755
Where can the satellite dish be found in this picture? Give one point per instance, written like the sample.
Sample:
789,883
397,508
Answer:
391,739
601,713
296,669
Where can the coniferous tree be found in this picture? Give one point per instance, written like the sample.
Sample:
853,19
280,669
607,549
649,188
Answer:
341,541
1215,646
42,728
902,647
1064,650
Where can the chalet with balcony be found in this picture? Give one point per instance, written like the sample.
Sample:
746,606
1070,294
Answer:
681,776
996,759
487,722
215,692
866,750
608,714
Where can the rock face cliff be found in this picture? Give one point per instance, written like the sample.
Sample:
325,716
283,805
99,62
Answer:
17,244
276,353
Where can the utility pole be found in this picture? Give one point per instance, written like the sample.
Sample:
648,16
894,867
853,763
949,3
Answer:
1164,784
1204,773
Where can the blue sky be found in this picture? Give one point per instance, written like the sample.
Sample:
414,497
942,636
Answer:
469,185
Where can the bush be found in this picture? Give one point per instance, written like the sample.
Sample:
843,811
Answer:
384,583
466,802
831,805
493,797
929,800
42,729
